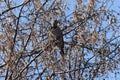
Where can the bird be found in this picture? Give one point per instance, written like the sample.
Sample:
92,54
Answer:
56,37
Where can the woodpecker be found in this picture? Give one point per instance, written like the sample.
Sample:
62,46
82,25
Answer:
56,37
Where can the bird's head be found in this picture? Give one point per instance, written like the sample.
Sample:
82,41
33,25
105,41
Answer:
55,24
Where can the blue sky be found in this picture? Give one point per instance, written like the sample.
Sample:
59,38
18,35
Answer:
113,6
111,76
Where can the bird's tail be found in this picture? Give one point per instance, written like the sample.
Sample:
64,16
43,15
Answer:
62,54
